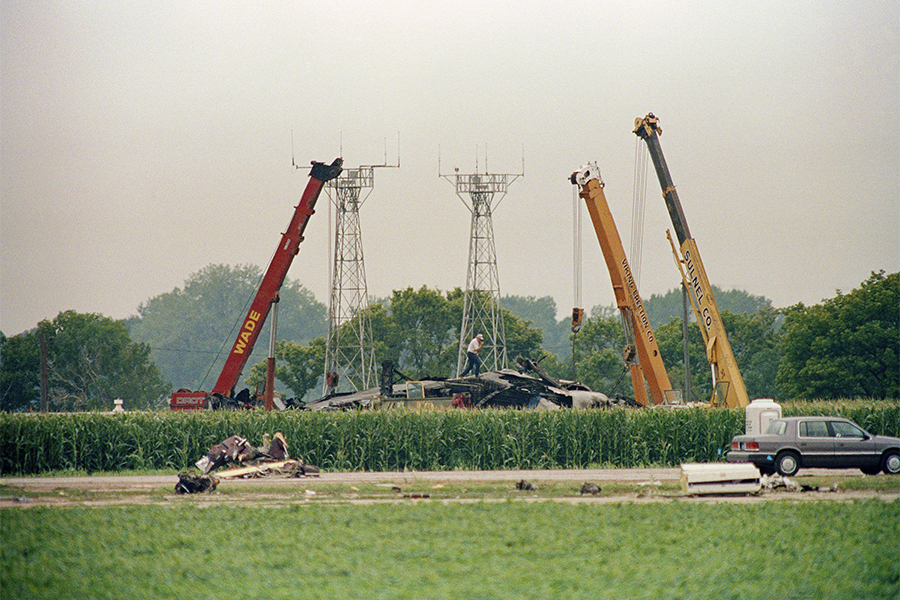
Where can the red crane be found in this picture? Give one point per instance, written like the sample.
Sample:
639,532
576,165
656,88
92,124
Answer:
267,293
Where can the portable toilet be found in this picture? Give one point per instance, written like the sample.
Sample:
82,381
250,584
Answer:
759,413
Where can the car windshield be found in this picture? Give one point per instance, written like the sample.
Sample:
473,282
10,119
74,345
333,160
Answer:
776,427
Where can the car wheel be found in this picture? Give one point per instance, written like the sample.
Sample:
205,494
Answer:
890,463
787,463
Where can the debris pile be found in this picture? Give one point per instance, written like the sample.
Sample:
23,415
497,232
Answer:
238,450
528,386
271,459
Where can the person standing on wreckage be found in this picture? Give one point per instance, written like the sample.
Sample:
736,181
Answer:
474,361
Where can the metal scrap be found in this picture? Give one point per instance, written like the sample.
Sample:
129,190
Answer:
528,386
285,468
190,483
590,488
773,482
238,450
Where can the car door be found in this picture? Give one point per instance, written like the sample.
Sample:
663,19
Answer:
815,443
853,448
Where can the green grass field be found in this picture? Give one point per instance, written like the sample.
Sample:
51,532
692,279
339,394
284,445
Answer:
430,549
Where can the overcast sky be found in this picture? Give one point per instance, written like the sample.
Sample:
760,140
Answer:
142,141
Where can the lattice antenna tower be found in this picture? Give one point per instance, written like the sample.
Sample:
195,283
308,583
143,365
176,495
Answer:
482,193
350,348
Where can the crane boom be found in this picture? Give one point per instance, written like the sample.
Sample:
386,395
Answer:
274,277
728,385
267,294
649,366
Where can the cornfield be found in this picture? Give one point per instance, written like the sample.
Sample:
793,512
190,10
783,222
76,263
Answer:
398,439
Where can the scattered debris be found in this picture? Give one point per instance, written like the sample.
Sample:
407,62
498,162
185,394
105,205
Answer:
526,485
189,483
590,488
774,482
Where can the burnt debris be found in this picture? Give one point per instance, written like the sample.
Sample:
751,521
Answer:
527,387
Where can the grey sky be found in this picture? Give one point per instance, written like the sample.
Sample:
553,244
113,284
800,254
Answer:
142,141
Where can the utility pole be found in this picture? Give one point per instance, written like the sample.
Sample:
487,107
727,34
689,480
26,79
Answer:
481,302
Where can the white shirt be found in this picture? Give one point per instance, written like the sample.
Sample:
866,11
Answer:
475,345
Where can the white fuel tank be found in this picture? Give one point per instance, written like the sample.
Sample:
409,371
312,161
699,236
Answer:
759,413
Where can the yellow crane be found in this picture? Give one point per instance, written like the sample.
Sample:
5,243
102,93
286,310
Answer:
728,385
641,351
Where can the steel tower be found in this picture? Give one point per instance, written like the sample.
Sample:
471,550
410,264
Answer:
481,302
349,349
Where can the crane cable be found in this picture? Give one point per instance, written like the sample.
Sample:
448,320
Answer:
576,247
638,206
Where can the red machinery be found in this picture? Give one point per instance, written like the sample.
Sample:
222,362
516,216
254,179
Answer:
266,295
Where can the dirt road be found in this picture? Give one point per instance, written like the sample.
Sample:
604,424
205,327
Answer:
629,484
138,483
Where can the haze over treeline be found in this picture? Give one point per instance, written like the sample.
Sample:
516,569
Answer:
846,346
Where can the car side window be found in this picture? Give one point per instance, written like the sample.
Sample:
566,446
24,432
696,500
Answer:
842,429
776,428
814,429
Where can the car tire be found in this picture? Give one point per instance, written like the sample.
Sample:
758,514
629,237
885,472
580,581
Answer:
890,462
787,463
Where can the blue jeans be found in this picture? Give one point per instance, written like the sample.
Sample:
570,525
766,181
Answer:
474,362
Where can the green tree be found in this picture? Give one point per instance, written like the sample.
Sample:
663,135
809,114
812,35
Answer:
521,338
598,352
663,308
845,347
299,367
670,339
753,339
19,372
540,314
191,330
425,323
91,361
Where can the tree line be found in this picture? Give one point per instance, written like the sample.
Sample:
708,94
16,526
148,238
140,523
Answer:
846,346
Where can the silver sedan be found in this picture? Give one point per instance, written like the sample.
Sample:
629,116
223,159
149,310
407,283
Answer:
823,442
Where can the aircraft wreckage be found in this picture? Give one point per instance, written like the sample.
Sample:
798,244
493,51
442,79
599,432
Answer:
527,387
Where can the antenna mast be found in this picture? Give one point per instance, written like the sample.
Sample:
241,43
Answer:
350,347
481,302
